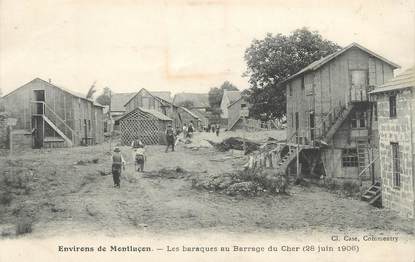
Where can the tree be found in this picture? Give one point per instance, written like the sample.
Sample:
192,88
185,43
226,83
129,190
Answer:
187,104
275,58
91,91
105,97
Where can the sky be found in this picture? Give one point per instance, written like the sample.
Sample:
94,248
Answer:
175,45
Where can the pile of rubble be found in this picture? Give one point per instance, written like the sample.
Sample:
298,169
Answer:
246,182
236,143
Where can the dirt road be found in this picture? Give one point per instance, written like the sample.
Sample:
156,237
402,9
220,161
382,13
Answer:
68,197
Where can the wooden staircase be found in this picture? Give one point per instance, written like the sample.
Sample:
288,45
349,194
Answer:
57,130
373,195
338,120
44,113
286,160
272,158
362,157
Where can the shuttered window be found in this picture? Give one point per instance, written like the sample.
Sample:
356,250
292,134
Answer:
392,106
396,165
349,157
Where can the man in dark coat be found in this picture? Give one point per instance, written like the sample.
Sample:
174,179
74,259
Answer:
170,138
118,163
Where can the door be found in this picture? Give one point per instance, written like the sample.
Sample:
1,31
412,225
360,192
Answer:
37,131
358,85
312,126
39,96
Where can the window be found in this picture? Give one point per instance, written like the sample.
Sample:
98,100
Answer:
396,165
375,111
302,83
243,105
89,125
392,106
349,157
358,119
290,90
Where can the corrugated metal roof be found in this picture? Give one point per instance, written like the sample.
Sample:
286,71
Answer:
154,113
118,101
73,93
190,112
165,95
401,81
157,114
319,63
198,100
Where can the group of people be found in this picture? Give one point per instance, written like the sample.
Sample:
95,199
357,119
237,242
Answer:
188,130
118,162
213,128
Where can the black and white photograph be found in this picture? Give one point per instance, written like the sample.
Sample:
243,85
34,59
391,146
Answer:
207,130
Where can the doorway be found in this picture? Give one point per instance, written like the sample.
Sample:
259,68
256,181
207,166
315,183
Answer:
312,126
39,96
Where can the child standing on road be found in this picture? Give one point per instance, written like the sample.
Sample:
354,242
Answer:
140,158
118,163
170,139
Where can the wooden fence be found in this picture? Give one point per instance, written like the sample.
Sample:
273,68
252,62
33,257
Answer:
256,124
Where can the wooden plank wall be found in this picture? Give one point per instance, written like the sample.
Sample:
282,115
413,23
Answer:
137,101
331,85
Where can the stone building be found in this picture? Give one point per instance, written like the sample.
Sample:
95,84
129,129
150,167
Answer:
396,124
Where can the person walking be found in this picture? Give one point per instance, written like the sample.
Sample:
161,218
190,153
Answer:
190,130
118,163
170,138
140,158
184,131
217,129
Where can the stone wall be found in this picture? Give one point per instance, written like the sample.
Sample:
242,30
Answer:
397,130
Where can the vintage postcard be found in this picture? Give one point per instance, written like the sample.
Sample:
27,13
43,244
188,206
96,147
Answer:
207,130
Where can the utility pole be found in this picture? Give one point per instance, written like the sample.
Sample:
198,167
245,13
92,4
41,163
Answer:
298,157
10,123
111,121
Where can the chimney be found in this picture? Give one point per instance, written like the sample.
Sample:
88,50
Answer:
50,81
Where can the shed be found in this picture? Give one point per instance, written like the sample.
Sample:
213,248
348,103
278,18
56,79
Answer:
234,113
55,116
145,124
